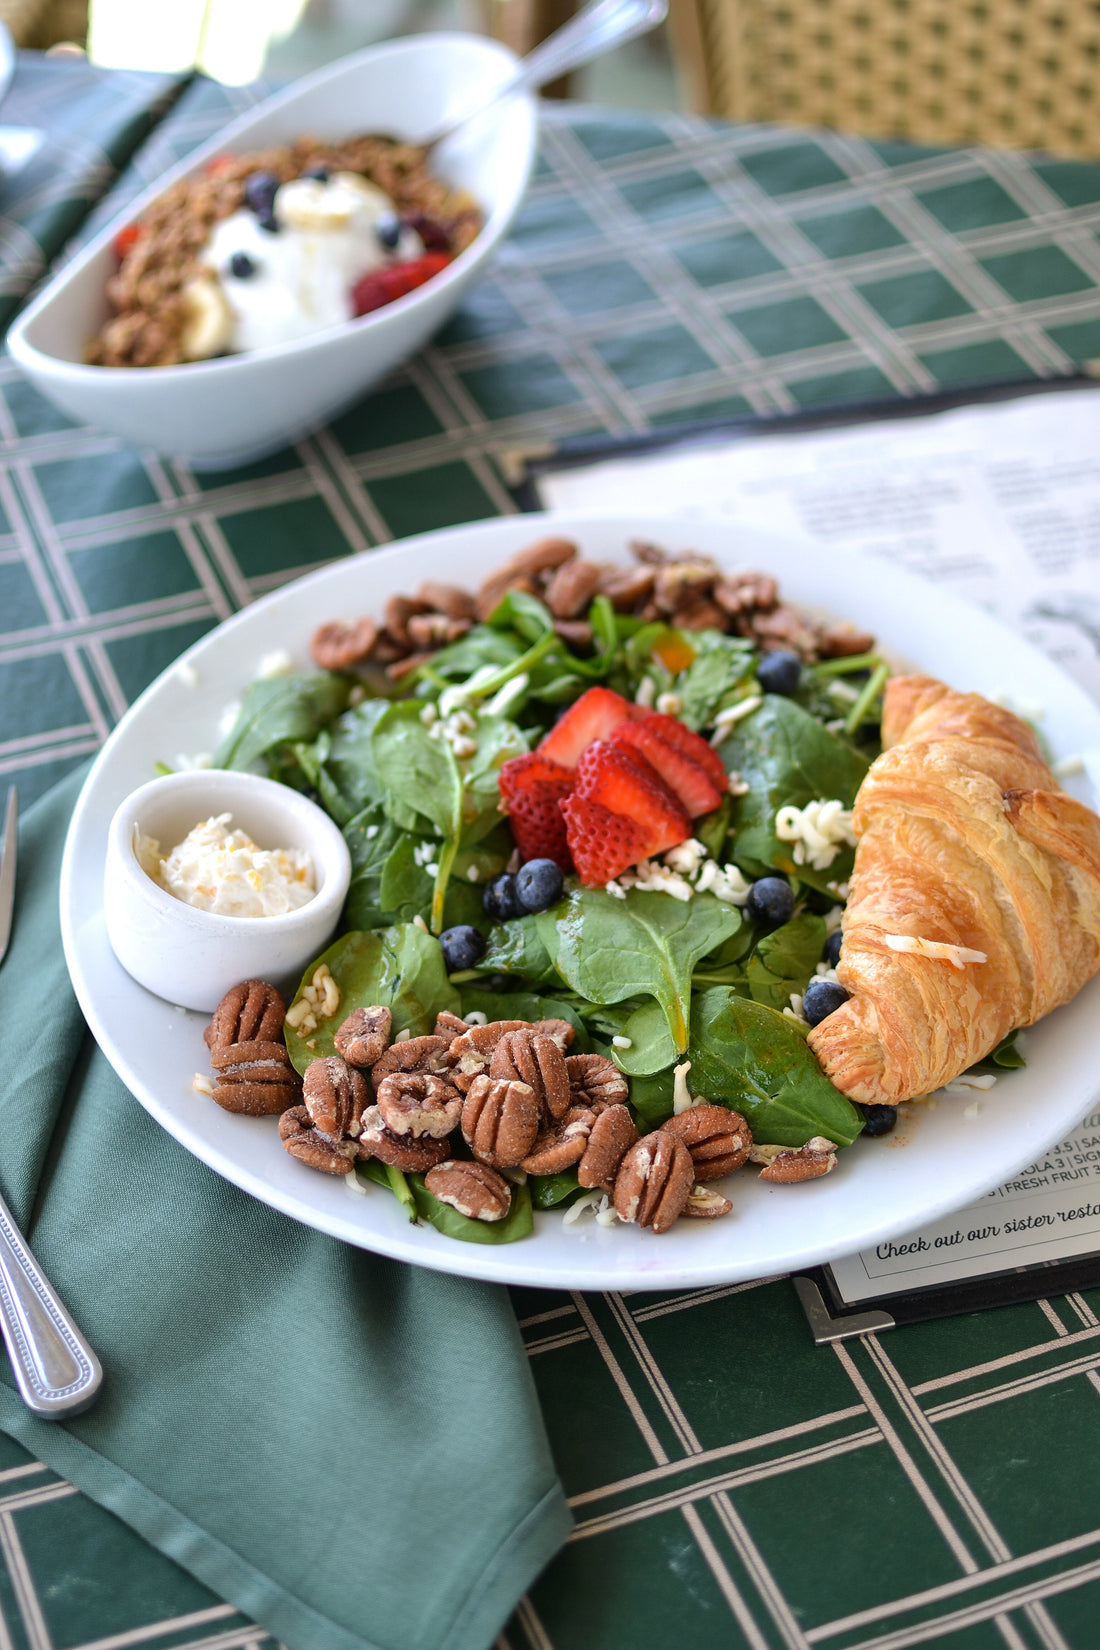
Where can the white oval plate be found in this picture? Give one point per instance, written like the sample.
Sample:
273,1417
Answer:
880,1188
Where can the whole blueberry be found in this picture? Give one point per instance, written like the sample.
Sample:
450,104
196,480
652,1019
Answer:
500,899
878,1119
822,998
832,948
259,192
780,672
242,266
319,173
539,884
462,947
268,222
771,901
387,228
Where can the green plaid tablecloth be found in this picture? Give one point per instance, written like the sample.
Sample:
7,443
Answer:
734,1486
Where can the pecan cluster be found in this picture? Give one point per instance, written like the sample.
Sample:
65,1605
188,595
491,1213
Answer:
687,590
509,1091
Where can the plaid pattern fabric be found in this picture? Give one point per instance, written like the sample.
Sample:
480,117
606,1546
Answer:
734,1485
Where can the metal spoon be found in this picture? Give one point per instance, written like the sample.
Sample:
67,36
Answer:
55,1369
592,32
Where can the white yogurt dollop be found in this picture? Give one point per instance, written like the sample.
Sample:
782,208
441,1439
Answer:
301,276
216,869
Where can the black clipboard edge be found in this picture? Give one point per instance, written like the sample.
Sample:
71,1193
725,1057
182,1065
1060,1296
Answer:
522,468
831,1318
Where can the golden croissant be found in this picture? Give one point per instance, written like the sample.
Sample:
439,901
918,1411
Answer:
975,899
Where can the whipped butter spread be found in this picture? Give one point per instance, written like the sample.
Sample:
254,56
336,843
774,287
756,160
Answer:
222,870
278,285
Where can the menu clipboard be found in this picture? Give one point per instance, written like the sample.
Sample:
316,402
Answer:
1022,462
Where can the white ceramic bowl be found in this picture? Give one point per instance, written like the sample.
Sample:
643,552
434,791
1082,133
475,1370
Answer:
192,957
239,407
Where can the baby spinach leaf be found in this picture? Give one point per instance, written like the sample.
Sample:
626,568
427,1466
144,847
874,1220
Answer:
371,837
405,887
651,1043
651,1099
608,949
784,960
281,710
349,762
749,1057
400,968
525,614
721,665
787,759
519,1222
1005,1057
555,1191
479,647
516,948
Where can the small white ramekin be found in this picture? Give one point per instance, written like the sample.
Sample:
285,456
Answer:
192,957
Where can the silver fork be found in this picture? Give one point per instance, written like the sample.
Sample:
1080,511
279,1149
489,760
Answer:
55,1369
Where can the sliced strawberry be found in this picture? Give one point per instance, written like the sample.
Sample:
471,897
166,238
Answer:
126,240
680,736
603,844
590,717
382,286
531,787
621,779
686,777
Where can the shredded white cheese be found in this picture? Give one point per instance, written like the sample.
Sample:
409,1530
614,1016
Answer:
319,1001
669,704
216,869
818,831
957,955
734,713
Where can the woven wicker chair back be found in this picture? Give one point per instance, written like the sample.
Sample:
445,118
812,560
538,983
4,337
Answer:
1015,73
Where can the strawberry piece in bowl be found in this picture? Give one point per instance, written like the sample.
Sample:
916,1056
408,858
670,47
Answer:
382,286
603,844
531,788
593,716
678,761
623,781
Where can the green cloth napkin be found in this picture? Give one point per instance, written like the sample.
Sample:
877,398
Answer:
348,1449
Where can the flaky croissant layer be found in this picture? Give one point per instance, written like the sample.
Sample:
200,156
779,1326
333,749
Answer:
967,850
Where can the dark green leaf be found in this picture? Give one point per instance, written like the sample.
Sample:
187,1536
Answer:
709,683
281,710
393,1181
1005,1057
555,1191
516,948
784,960
651,1045
523,613
751,1058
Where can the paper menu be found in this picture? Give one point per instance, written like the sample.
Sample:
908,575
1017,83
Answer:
1050,1210
1001,501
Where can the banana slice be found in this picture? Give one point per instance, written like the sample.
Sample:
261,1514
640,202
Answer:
209,324
307,203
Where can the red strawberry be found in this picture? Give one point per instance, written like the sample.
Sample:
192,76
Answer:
685,775
677,733
382,286
603,844
621,779
531,787
591,717
126,240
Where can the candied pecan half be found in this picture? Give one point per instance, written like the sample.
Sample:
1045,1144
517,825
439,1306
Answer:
698,615
747,593
302,1141
399,610
654,1182
255,1077
705,1203
842,641
474,1189
782,629
500,1120
250,1012
627,587
448,1025
413,1054
681,583
418,1103
473,1048
340,646
399,1151
335,1094
572,588
563,1145
595,1081
520,571
809,1162
718,1139
364,1035
536,1060
450,599
612,1135
560,1030
436,630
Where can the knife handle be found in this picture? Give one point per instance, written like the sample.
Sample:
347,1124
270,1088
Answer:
55,1369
